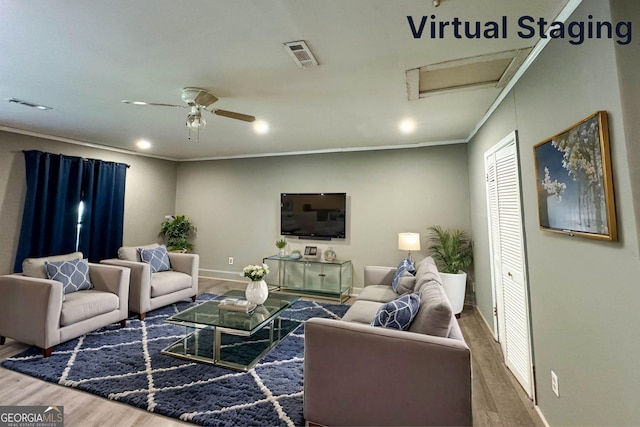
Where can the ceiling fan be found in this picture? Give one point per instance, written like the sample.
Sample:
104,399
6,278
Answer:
197,99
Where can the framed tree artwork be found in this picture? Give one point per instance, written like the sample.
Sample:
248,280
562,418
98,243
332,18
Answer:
574,181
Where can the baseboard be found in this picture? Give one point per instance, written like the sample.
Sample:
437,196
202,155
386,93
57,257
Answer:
486,322
539,411
234,276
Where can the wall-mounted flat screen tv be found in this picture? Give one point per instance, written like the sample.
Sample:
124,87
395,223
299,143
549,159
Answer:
313,215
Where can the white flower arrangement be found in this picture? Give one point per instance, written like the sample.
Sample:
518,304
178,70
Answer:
255,272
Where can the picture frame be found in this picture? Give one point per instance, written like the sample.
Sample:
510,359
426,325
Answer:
311,251
575,181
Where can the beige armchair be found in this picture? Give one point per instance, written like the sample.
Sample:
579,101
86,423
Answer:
34,310
149,291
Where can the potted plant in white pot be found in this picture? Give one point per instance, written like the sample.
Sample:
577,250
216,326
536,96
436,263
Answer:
453,252
176,231
280,244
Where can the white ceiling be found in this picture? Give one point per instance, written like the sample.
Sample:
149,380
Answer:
83,57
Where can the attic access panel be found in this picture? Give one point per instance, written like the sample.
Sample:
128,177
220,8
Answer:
486,71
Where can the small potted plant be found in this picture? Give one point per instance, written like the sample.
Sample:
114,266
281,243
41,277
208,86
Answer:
177,230
453,252
280,244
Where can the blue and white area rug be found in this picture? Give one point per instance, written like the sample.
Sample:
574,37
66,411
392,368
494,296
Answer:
126,365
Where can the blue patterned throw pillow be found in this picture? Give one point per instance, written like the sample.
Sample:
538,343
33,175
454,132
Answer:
73,274
405,265
157,258
399,313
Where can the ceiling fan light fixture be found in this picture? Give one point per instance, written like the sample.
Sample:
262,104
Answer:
195,119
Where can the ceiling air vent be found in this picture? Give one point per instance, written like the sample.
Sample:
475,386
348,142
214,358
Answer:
300,53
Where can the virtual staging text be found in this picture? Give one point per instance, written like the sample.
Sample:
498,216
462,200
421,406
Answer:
526,27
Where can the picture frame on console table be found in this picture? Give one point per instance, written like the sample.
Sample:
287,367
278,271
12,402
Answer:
311,251
575,181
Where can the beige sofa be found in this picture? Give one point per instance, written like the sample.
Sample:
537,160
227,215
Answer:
34,310
150,291
356,374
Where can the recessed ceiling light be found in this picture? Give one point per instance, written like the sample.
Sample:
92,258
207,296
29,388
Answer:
261,127
143,144
407,126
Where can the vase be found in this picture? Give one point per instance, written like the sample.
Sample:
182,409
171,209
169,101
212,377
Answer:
257,291
281,253
329,255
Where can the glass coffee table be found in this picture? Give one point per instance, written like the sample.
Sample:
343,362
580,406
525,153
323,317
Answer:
232,339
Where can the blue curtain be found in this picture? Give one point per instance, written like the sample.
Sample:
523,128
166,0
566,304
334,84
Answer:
103,219
55,186
51,203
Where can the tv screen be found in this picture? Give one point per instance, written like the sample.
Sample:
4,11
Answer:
313,215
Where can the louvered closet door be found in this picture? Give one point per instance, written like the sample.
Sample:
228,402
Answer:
509,265
494,242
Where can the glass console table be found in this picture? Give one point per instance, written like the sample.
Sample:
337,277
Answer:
325,279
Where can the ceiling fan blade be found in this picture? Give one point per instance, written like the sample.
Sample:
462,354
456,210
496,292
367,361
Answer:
205,98
232,115
159,104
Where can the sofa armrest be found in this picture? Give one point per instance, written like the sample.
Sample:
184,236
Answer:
355,374
30,309
377,275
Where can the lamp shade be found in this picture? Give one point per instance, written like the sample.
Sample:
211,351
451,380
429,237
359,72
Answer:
409,241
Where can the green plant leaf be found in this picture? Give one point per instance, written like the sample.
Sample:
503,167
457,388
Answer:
452,250
177,230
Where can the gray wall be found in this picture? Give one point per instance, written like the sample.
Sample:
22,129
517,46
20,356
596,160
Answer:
149,194
628,61
235,204
583,292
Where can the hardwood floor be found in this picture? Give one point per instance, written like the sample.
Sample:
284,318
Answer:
498,399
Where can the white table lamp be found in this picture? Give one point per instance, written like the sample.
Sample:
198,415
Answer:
409,242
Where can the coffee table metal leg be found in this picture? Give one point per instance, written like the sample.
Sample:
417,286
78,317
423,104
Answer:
185,341
216,345
271,334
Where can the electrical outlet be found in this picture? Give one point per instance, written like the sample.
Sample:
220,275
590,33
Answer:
230,260
554,384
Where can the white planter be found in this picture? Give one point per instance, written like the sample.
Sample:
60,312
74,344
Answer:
455,286
257,292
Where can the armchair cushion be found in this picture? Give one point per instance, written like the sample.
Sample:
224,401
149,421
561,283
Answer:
167,282
157,258
34,267
73,274
84,305
399,313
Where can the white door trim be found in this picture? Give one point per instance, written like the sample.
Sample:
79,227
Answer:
497,282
